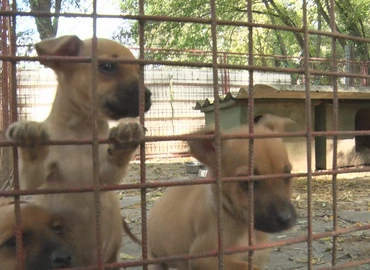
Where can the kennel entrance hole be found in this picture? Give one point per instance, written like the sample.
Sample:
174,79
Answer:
362,123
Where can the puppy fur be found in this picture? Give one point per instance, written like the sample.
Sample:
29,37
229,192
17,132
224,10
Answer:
184,220
43,245
71,119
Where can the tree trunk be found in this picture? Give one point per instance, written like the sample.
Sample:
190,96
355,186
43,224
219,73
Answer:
287,21
326,17
46,26
318,40
279,38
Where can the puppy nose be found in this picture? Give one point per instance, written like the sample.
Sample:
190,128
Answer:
284,218
61,258
148,93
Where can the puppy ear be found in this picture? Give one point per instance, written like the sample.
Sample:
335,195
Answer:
62,46
203,149
275,123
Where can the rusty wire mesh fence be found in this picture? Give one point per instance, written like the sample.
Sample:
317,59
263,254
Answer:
177,85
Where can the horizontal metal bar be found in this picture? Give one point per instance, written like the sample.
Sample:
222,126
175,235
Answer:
182,63
189,137
157,184
159,18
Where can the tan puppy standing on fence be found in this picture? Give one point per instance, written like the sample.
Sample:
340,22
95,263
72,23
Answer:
184,221
71,119
43,245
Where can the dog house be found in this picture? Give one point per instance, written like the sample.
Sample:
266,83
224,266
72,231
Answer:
289,101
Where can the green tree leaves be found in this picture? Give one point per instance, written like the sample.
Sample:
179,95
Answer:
351,19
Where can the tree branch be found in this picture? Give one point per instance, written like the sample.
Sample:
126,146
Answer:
325,15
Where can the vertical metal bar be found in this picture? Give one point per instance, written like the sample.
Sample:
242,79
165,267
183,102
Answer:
308,135
251,131
364,72
5,67
14,117
144,232
225,77
227,74
217,136
335,128
95,138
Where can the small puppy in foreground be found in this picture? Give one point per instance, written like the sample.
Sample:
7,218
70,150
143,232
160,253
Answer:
43,245
184,221
71,166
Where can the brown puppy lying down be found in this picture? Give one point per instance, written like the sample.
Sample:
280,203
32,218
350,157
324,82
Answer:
44,248
183,220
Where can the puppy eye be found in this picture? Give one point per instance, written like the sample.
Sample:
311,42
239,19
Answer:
108,68
10,243
57,229
244,185
256,184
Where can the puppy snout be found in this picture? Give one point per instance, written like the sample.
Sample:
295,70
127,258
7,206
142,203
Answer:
124,102
284,217
275,216
148,101
148,93
61,258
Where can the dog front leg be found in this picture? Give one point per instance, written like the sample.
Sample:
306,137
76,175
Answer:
212,263
204,243
32,138
125,138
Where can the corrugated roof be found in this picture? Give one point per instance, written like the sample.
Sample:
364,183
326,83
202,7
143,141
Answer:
263,91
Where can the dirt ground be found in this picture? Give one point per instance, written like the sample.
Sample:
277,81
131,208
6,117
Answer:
353,209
